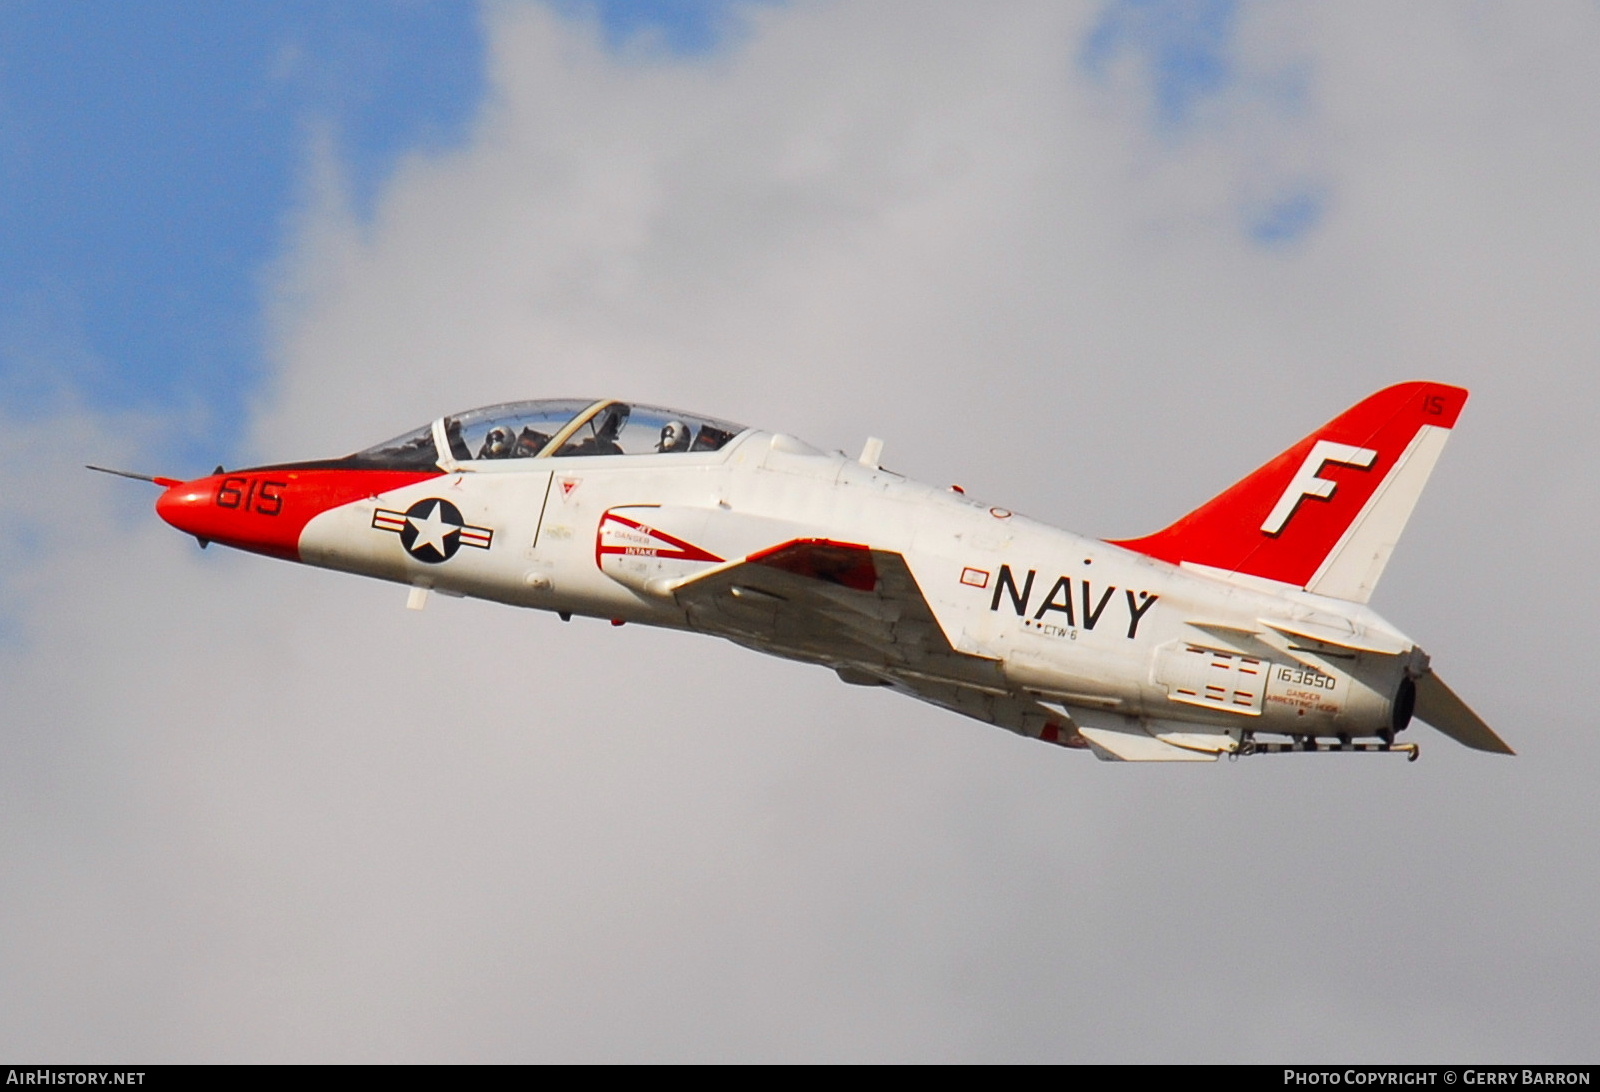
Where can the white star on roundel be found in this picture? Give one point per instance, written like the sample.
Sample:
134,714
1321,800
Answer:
432,531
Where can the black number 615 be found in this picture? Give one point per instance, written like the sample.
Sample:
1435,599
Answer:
262,497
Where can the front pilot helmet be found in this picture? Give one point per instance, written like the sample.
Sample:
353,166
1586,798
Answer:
497,444
674,437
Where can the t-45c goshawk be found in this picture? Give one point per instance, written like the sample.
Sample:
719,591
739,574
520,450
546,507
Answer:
1243,628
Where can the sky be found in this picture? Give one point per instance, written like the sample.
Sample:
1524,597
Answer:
1094,261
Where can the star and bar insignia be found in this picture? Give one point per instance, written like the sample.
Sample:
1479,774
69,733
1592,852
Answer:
432,530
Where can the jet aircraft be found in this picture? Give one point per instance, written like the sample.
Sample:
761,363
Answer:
1243,628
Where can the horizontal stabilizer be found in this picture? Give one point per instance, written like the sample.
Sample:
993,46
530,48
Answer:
1438,705
1378,643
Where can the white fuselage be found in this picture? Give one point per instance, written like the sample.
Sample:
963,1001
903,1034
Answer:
1055,619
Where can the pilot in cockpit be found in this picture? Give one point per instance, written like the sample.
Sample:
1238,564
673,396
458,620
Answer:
497,443
674,437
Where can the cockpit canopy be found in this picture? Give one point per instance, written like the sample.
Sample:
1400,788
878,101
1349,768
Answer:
550,428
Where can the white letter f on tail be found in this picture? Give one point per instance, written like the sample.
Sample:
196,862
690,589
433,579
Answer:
1305,482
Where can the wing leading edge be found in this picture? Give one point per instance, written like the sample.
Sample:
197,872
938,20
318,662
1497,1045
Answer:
861,612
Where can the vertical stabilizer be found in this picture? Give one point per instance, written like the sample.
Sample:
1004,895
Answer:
1326,514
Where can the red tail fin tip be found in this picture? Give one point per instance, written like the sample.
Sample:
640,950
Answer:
1326,514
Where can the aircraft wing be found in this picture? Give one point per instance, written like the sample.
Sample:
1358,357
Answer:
861,612
814,599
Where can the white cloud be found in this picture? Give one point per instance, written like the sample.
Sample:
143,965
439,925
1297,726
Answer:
253,811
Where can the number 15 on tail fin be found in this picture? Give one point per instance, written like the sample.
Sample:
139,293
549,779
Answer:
1325,515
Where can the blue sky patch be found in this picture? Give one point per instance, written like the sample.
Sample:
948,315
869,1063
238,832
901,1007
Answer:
1182,46
684,28
1285,218
1191,85
148,158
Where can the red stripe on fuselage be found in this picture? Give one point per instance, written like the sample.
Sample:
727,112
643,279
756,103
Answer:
264,510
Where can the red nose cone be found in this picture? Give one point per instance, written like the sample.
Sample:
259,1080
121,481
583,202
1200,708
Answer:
183,505
244,511
265,510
